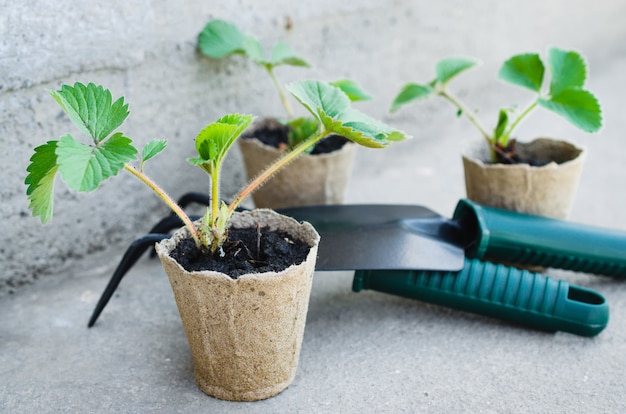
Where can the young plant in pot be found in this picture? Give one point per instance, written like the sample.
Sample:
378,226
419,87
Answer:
325,169
540,177
241,280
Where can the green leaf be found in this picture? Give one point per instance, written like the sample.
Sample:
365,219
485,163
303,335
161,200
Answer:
525,70
282,54
568,70
152,149
409,93
91,109
503,122
578,106
214,141
198,162
331,107
370,128
220,38
301,129
84,168
42,198
40,180
253,49
320,98
449,68
42,161
351,88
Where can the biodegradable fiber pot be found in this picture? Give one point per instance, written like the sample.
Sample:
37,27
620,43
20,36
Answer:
245,334
309,180
547,191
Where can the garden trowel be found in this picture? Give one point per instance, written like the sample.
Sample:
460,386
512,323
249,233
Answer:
414,252
410,237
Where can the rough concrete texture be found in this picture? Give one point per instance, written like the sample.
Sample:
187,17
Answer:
365,352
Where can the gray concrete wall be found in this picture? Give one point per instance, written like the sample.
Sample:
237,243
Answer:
145,51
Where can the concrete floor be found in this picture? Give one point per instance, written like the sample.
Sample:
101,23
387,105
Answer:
363,352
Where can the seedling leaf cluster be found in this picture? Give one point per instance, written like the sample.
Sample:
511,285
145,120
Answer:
564,94
83,167
220,39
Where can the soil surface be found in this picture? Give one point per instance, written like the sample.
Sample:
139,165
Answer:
249,250
509,155
275,135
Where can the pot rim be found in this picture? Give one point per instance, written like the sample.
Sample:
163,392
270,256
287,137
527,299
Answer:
476,155
312,238
255,142
250,138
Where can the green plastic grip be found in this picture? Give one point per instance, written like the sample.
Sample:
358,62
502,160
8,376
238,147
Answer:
503,235
499,291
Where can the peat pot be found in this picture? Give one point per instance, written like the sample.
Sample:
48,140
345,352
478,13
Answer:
245,334
547,190
311,179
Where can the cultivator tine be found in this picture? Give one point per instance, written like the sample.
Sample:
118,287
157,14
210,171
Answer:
193,197
166,224
157,233
172,221
132,254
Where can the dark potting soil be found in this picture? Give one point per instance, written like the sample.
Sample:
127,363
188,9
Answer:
249,250
509,155
275,135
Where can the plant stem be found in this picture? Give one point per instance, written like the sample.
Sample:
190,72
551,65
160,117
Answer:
215,197
168,200
281,92
279,163
468,113
216,239
505,137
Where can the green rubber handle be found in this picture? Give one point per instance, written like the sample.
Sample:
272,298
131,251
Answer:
499,291
503,235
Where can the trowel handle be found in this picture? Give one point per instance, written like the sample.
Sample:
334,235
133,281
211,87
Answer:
498,291
508,236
